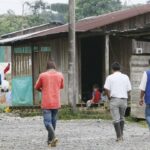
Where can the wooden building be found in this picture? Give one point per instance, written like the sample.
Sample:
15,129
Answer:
101,40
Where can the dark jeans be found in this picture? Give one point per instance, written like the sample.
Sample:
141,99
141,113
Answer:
147,115
50,118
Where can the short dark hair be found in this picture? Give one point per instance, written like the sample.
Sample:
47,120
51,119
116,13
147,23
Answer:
116,66
51,65
95,86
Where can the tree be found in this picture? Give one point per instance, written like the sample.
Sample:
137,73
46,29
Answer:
42,12
61,8
86,8
9,22
37,6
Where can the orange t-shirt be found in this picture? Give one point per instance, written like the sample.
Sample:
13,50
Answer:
50,83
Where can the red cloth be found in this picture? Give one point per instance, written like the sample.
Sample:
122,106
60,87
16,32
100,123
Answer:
96,97
50,83
7,69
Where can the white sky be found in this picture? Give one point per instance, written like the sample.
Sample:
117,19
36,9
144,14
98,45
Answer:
16,5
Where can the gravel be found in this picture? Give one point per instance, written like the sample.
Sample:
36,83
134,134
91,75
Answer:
29,134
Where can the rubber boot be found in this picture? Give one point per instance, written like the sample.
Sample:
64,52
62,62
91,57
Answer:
51,134
118,131
122,126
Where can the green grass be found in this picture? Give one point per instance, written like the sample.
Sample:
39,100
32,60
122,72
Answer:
68,114
141,122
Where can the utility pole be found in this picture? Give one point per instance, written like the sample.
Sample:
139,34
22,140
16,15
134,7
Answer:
72,56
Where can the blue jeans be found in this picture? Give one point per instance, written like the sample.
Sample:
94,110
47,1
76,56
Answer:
147,114
50,118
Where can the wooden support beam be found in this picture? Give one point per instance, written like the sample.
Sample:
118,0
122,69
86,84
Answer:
33,77
106,55
72,57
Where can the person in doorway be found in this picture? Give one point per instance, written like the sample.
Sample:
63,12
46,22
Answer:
50,83
118,86
96,96
145,94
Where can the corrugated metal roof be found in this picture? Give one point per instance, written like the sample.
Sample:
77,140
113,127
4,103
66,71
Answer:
88,23
17,38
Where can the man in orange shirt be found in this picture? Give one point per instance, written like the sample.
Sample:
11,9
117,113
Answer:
50,83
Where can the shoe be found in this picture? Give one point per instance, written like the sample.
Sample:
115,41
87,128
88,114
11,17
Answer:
119,139
54,142
49,144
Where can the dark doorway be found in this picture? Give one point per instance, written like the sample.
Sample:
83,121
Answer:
92,64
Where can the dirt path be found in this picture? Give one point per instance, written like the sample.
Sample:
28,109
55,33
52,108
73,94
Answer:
29,134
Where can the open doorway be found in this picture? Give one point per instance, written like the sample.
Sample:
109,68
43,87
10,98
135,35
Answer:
92,64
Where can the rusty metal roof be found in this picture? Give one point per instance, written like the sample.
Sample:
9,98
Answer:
90,23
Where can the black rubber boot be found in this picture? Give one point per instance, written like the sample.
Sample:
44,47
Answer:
118,131
51,134
122,126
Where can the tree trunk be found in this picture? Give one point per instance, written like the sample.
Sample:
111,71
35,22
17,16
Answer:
71,56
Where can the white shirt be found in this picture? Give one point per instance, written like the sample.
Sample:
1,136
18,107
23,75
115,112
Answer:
118,84
143,82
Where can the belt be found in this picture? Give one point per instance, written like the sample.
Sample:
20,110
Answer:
119,98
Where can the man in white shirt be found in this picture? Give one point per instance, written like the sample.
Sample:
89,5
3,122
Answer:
145,94
117,86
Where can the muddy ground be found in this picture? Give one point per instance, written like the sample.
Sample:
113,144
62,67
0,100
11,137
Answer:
29,134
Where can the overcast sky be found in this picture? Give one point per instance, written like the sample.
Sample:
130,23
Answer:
16,5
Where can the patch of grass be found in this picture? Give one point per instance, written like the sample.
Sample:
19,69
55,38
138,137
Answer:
67,114
141,122
27,112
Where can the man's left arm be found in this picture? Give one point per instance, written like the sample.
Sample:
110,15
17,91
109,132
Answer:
142,88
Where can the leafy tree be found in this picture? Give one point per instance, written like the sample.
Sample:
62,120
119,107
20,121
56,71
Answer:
86,8
60,8
9,22
41,12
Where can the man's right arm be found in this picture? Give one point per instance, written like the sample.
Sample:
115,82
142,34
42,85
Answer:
62,83
141,102
107,87
142,88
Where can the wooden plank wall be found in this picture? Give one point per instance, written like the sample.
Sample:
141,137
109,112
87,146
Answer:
60,56
22,64
120,51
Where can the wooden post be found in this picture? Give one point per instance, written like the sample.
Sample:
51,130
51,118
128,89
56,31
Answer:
106,55
71,56
12,62
33,78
